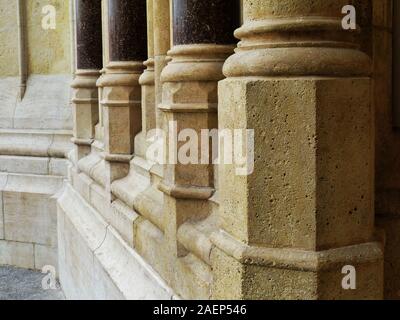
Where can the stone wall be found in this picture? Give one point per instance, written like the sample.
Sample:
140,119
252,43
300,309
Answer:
35,131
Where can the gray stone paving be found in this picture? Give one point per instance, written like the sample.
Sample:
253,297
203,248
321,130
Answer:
20,284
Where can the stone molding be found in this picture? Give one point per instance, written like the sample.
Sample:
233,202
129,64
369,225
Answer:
296,259
297,43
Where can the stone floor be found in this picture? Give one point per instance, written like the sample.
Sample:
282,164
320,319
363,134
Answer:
20,284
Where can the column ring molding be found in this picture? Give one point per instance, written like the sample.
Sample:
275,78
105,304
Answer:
197,62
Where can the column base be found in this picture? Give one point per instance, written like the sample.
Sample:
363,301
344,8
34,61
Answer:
258,273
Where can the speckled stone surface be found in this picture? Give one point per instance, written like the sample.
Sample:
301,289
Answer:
21,284
88,34
127,30
199,21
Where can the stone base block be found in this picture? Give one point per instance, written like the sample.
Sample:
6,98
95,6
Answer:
94,260
243,272
313,192
28,217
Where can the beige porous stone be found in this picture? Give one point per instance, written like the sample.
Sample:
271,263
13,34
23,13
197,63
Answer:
8,39
122,113
244,272
49,49
85,110
312,192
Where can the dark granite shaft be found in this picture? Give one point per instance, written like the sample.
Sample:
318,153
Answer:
205,21
128,30
89,47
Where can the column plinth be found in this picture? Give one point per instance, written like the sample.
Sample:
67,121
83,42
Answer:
190,102
306,211
120,84
147,81
122,114
89,62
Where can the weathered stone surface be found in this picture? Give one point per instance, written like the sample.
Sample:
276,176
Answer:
323,201
130,229
313,159
147,81
3,181
58,167
8,40
8,98
95,261
35,131
123,220
189,99
86,112
162,43
279,265
49,50
29,165
45,256
30,218
17,254
45,105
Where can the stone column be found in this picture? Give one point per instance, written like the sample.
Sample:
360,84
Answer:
106,57
121,89
203,39
89,62
148,88
306,211
387,139
162,43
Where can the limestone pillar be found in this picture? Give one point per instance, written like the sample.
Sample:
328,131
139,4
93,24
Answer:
89,62
106,59
162,43
121,89
203,39
148,86
387,144
306,211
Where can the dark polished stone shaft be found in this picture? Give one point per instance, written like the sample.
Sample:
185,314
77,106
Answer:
205,21
127,30
89,49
